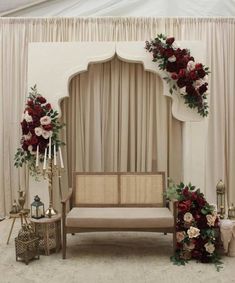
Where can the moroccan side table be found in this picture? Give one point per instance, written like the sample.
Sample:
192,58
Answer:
23,214
48,231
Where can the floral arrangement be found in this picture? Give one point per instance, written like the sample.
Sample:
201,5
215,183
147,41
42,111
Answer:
197,232
183,74
40,133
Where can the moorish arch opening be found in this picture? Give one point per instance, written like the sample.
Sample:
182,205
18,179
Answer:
118,120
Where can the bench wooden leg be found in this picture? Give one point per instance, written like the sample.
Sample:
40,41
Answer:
64,244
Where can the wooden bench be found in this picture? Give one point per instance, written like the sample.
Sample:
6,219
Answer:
117,202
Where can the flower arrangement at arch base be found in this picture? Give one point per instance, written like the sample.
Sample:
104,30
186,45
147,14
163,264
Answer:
183,74
40,134
197,231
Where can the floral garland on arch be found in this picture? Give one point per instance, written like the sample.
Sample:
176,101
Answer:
197,230
183,74
40,134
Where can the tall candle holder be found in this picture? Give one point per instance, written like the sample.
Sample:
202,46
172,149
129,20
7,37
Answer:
50,172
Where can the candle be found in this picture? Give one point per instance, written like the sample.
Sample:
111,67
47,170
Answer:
54,154
45,160
61,159
49,148
37,156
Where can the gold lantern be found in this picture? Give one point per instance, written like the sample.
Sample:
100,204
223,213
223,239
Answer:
220,194
231,212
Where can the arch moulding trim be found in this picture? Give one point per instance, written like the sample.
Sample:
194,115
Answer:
52,65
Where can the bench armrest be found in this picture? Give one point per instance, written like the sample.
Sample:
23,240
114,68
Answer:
63,201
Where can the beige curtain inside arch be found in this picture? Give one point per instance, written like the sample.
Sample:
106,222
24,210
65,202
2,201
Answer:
117,119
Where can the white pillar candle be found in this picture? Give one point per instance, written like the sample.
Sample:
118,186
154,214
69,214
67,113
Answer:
49,155
37,156
61,159
45,160
54,154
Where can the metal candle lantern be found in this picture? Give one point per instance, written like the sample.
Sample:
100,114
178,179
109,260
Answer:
37,208
231,212
220,194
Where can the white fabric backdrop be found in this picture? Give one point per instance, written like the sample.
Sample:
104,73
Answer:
217,33
133,8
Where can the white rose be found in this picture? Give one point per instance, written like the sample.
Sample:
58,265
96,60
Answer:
172,59
210,219
193,232
38,131
28,136
45,120
30,149
28,118
198,83
190,65
188,217
209,247
180,236
46,134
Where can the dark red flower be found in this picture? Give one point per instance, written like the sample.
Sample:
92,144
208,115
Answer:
181,82
25,129
182,73
30,102
169,52
37,110
170,40
198,66
191,90
193,196
202,88
184,206
33,140
41,99
171,67
186,192
174,76
47,127
193,75
48,106
30,111
201,73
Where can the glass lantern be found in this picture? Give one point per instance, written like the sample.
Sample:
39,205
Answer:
37,208
231,212
220,196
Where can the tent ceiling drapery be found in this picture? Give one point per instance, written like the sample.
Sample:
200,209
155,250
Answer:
134,8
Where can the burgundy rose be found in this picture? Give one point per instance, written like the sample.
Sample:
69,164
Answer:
174,76
171,67
191,90
48,127
182,73
193,75
25,146
170,40
202,88
198,66
193,196
181,82
37,110
33,140
169,52
184,206
41,99
48,106
201,201
30,111
25,129
30,102
201,73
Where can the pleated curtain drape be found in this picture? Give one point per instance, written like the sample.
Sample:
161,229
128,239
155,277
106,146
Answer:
118,120
218,33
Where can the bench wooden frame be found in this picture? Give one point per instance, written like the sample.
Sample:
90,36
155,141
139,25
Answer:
71,200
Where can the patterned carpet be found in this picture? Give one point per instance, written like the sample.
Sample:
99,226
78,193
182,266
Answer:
108,257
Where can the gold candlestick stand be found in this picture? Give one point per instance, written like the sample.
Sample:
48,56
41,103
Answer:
50,173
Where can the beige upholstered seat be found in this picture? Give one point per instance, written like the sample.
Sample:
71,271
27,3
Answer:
120,217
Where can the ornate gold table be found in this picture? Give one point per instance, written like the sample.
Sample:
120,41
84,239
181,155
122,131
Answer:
49,232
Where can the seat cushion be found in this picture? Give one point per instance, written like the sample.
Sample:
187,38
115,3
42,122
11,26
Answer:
120,217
